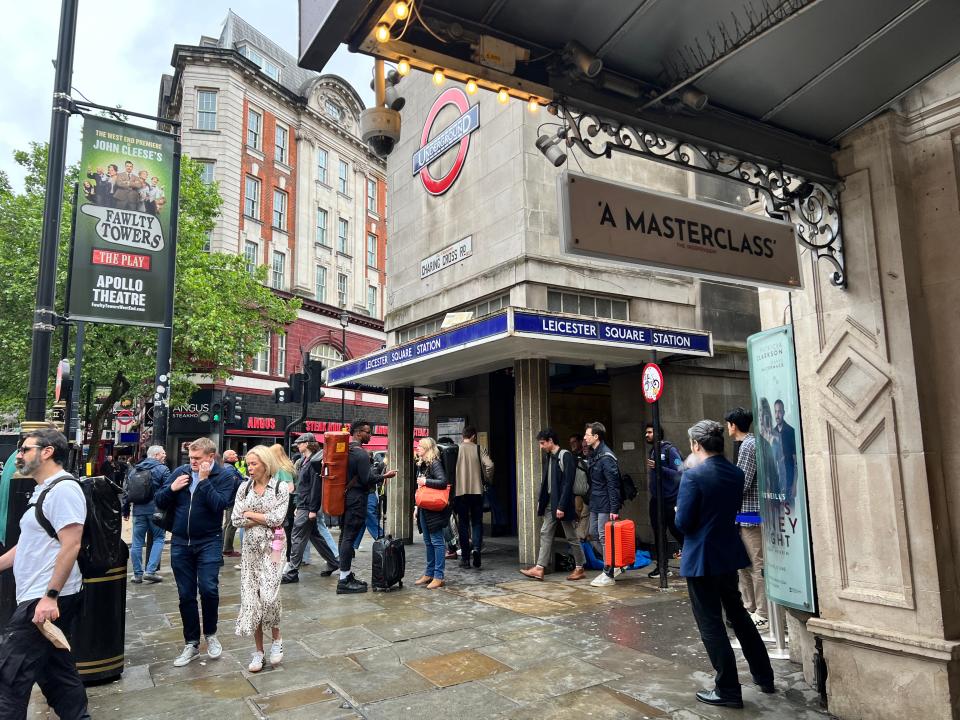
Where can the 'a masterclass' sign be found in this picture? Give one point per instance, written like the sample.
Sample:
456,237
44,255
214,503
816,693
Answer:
122,250
613,221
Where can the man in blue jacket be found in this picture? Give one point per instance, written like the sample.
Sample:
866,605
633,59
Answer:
198,493
671,467
604,472
707,506
143,517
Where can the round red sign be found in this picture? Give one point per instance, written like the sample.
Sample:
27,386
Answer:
463,126
652,382
124,417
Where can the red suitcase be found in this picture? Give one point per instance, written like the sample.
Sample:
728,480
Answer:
620,543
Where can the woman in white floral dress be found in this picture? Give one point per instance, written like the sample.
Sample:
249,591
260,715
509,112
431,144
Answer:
260,508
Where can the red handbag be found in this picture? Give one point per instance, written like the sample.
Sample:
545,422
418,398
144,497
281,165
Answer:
428,498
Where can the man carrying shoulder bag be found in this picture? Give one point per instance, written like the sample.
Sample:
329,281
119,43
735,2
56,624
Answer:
474,474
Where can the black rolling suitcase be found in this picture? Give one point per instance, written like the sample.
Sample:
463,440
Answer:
389,559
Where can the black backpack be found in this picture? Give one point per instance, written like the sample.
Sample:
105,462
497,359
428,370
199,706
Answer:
101,548
628,488
139,486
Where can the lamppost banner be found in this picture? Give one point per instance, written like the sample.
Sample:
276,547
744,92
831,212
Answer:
123,239
787,563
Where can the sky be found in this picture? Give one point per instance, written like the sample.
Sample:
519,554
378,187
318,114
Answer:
121,52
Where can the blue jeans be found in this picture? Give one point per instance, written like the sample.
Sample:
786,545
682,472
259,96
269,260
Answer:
436,554
142,523
372,521
196,568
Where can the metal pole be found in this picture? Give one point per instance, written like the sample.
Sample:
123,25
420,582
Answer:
70,410
44,315
75,392
161,397
304,402
343,393
662,561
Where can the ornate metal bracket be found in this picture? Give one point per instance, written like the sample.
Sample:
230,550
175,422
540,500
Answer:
813,208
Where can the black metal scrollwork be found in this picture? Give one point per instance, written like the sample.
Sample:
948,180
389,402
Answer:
813,208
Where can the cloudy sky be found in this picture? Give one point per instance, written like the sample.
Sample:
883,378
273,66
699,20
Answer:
122,49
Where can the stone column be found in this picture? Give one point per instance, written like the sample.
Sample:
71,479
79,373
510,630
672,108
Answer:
532,414
400,457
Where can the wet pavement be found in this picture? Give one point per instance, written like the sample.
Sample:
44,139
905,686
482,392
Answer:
491,644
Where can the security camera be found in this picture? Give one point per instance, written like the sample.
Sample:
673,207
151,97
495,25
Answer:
380,129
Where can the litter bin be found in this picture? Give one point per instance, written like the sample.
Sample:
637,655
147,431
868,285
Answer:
20,490
99,632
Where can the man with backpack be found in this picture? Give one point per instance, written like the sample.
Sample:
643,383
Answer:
474,472
671,469
605,498
197,494
48,583
141,485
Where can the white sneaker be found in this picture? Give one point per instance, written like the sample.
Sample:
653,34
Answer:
603,580
190,651
256,662
214,648
276,652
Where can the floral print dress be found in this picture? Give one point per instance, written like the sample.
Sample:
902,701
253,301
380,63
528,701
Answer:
259,574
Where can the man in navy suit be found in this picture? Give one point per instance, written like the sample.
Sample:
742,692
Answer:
788,446
707,505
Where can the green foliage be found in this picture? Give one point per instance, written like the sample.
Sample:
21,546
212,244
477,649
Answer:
221,312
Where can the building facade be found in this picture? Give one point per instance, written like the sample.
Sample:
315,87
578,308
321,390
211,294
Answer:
303,196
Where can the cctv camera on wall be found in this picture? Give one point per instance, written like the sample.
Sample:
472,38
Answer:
380,129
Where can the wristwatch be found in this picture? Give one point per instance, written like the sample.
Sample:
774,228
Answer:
53,594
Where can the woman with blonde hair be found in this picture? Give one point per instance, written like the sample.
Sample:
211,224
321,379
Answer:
286,474
432,521
259,508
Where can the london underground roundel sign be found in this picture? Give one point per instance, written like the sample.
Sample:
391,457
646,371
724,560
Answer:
456,134
652,382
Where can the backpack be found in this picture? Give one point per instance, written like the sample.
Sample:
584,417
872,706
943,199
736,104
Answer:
101,548
628,488
581,481
139,486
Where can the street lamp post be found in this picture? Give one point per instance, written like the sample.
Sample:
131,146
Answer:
344,321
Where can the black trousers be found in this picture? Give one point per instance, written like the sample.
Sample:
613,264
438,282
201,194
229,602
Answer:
304,531
354,518
711,597
669,516
27,657
469,521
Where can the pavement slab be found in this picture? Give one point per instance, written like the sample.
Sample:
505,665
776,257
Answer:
490,645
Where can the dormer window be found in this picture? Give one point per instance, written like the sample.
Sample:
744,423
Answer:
333,110
269,68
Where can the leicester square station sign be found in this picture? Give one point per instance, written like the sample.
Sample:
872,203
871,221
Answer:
456,134
613,221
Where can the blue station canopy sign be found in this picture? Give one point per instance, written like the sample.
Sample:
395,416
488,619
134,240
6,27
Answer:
516,333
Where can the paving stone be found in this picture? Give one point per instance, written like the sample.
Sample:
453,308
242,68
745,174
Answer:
459,667
597,703
341,642
528,605
296,698
559,676
366,687
459,702
331,710
529,651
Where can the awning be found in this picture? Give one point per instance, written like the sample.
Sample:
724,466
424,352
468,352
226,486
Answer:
495,341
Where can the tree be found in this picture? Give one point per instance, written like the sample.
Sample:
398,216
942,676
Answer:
222,313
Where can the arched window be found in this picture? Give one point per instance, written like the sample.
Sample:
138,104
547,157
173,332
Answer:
328,354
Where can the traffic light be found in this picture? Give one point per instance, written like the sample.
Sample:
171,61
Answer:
315,380
237,409
281,395
227,409
295,381
216,412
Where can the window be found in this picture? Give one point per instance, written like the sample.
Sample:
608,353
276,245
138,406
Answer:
250,252
206,171
342,178
277,267
372,300
269,68
320,282
206,241
322,165
342,290
322,227
281,144
371,250
254,128
251,200
279,209
333,110
372,196
206,109
342,232
260,363
591,305
281,354
328,354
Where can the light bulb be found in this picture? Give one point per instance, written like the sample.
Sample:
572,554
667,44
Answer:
403,67
533,105
382,33
401,10
471,87
503,96
438,77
